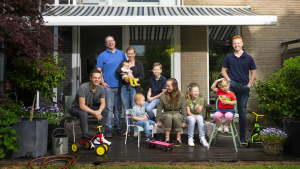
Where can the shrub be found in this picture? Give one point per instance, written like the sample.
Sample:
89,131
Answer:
279,95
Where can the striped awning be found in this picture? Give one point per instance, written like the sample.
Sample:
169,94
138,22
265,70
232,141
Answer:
220,33
150,33
154,15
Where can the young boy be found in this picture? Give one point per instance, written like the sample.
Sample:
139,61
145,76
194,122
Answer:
157,86
126,69
139,116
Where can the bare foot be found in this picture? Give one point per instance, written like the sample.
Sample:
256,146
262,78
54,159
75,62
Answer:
135,134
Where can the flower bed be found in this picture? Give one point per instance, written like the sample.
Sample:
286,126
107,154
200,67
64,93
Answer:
54,114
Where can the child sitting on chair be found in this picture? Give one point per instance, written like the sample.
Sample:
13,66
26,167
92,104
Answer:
194,106
226,101
126,69
139,116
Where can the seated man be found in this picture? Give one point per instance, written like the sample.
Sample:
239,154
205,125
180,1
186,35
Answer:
82,105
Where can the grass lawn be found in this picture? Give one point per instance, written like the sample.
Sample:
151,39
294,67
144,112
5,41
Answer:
268,166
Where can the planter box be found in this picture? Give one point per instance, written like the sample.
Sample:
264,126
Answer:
32,137
291,127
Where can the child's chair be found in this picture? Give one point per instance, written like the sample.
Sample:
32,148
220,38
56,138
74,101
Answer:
233,131
128,117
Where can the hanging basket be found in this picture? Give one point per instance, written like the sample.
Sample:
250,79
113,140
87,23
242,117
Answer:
272,148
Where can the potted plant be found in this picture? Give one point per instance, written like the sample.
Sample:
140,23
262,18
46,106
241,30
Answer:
272,140
279,97
35,75
54,115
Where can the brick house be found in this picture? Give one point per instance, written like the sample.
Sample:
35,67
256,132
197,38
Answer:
189,26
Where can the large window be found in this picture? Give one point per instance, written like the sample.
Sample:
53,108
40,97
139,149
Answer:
220,40
152,44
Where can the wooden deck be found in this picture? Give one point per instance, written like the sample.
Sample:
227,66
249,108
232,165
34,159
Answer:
222,151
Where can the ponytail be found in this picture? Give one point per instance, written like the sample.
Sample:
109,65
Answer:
189,89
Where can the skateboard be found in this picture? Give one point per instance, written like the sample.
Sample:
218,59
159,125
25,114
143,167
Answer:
167,146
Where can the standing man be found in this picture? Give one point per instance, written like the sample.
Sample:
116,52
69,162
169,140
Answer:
238,64
87,95
107,62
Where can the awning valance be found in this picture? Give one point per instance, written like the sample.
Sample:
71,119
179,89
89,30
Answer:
77,15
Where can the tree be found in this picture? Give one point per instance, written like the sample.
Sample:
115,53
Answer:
23,31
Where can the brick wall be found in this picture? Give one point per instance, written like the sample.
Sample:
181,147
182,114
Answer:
263,42
194,58
64,33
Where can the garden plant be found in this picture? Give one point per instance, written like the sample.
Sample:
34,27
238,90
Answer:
279,95
28,76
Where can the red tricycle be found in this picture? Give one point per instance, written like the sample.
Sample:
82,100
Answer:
88,144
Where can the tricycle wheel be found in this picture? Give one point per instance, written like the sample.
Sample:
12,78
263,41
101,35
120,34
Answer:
165,149
75,147
148,145
153,145
106,147
87,144
170,148
100,150
248,142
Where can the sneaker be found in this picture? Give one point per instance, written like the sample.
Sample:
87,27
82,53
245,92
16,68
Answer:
220,129
226,129
97,141
108,134
243,140
119,131
87,136
177,143
203,141
191,142
150,139
104,140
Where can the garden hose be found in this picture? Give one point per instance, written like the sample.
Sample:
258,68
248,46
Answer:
70,160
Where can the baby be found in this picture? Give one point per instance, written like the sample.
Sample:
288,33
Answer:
126,69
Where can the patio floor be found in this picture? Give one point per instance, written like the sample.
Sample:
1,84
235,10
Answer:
223,150
119,153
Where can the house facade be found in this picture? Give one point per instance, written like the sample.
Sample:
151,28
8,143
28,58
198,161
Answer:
192,32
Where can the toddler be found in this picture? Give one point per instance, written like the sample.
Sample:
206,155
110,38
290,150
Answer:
226,101
126,69
139,117
194,106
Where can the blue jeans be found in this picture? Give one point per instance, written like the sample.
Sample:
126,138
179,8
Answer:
114,107
242,94
149,108
145,125
191,125
127,95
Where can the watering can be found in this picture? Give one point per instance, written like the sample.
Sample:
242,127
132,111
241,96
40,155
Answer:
60,143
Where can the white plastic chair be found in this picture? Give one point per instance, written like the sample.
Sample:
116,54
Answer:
128,117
